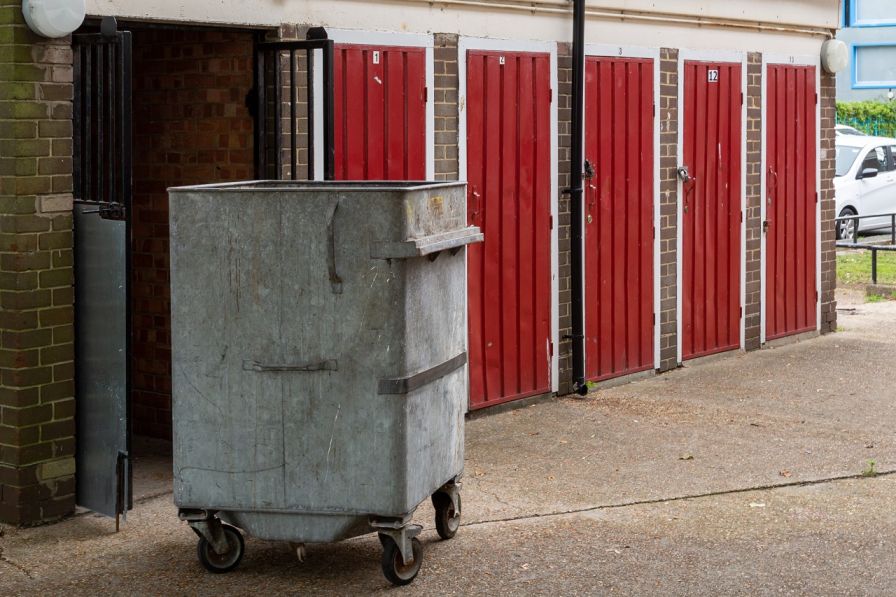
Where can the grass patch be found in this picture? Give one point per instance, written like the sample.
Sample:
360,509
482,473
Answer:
854,267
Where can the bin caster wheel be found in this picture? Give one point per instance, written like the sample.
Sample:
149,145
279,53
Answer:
220,563
447,518
394,568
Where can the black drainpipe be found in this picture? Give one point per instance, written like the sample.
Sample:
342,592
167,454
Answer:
575,199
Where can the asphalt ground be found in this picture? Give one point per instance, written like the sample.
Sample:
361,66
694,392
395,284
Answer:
742,474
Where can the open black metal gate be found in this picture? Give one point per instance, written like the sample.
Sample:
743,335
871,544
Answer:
102,192
103,185
274,61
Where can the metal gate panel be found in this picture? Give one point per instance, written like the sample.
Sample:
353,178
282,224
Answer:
380,112
619,124
790,222
102,192
711,208
509,196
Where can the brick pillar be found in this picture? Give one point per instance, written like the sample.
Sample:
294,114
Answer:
445,97
753,215
37,445
564,128
668,316
827,101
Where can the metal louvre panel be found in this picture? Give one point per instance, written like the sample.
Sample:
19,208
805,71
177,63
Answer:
380,112
619,124
790,291
509,197
711,208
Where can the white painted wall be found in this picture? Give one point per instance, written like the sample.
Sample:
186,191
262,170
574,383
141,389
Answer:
481,18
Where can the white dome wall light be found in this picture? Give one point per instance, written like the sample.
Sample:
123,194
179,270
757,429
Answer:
834,56
54,18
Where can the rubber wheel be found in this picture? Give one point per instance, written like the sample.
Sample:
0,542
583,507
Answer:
226,562
394,569
447,519
846,229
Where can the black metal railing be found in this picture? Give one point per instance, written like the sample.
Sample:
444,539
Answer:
874,248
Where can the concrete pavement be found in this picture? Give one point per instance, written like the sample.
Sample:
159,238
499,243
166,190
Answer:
642,488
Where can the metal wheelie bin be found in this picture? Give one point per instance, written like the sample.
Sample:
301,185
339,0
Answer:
319,362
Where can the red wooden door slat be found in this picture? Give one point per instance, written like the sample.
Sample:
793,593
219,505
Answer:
619,122
509,194
476,135
380,112
791,186
711,211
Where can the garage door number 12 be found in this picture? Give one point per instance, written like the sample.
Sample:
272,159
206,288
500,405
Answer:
712,75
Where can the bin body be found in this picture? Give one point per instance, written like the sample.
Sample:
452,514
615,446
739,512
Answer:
318,349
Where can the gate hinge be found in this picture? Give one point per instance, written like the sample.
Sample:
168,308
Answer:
551,95
741,312
425,94
551,221
551,347
741,98
816,197
816,99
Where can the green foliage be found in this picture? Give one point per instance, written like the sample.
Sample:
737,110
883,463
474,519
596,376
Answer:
870,470
866,110
871,117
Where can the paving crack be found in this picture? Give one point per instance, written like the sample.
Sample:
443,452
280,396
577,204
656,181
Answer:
15,565
680,498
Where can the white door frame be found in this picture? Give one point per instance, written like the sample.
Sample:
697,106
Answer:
804,60
507,45
610,51
377,38
712,56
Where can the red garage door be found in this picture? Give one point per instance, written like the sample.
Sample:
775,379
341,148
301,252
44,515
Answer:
509,197
790,291
619,217
711,208
380,113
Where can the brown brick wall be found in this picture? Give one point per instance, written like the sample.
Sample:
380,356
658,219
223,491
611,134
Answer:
753,214
668,115
827,101
191,126
445,98
289,33
37,426
564,126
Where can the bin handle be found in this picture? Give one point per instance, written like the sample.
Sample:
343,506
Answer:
406,385
328,365
335,280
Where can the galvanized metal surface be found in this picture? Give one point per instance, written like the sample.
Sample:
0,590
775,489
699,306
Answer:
711,208
509,169
619,217
101,359
380,104
293,452
791,194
